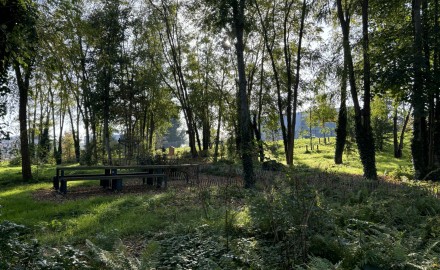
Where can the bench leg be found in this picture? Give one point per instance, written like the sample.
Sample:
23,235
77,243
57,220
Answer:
63,187
104,183
56,183
117,184
165,181
150,181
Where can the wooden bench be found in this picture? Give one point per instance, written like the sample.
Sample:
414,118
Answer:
112,180
112,176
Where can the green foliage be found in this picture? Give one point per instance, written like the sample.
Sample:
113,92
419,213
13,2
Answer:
175,135
380,121
16,252
117,259
401,173
199,249
318,216
15,161
222,167
286,214
322,112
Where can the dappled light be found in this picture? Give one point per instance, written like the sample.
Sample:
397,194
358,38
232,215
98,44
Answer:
239,134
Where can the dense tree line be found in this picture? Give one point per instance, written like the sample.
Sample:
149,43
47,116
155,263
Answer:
238,65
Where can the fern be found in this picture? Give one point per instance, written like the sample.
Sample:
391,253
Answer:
117,259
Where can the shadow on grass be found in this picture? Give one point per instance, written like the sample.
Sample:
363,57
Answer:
324,179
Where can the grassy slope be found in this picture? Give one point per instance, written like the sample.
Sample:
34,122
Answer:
405,216
324,158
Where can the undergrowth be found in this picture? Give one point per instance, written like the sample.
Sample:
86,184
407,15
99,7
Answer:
307,218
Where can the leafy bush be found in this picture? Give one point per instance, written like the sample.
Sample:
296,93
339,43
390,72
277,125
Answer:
200,249
15,161
18,253
402,173
221,168
117,259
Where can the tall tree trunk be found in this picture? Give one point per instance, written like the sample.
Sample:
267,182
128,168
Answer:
74,135
436,82
151,129
206,130
418,147
428,84
269,47
257,132
260,111
52,108
402,133
220,113
32,146
310,129
94,145
175,61
395,132
87,115
23,88
364,135
291,136
106,116
59,152
191,132
196,131
238,9
217,137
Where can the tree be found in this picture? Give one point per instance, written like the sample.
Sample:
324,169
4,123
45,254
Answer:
172,40
398,143
232,13
341,129
288,75
364,136
175,135
323,112
311,122
109,25
238,25
21,42
381,124
418,146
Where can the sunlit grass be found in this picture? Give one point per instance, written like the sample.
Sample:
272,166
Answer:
323,158
100,217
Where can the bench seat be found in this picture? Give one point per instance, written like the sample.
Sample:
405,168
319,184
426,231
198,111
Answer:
60,182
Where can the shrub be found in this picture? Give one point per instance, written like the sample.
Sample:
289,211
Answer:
16,252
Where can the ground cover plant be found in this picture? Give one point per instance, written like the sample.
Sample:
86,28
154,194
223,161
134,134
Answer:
312,216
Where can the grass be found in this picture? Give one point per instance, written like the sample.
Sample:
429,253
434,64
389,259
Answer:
323,159
320,216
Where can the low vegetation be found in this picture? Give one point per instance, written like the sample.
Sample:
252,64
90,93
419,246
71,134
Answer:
313,216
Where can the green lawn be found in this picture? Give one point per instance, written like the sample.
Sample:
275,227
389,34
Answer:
324,158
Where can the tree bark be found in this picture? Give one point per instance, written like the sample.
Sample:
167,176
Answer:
402,133
436,84
75,135
288,133
428,84
238,9
269,47
217,137
23,88
291,136
364,135
395,131
418,147
341,130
